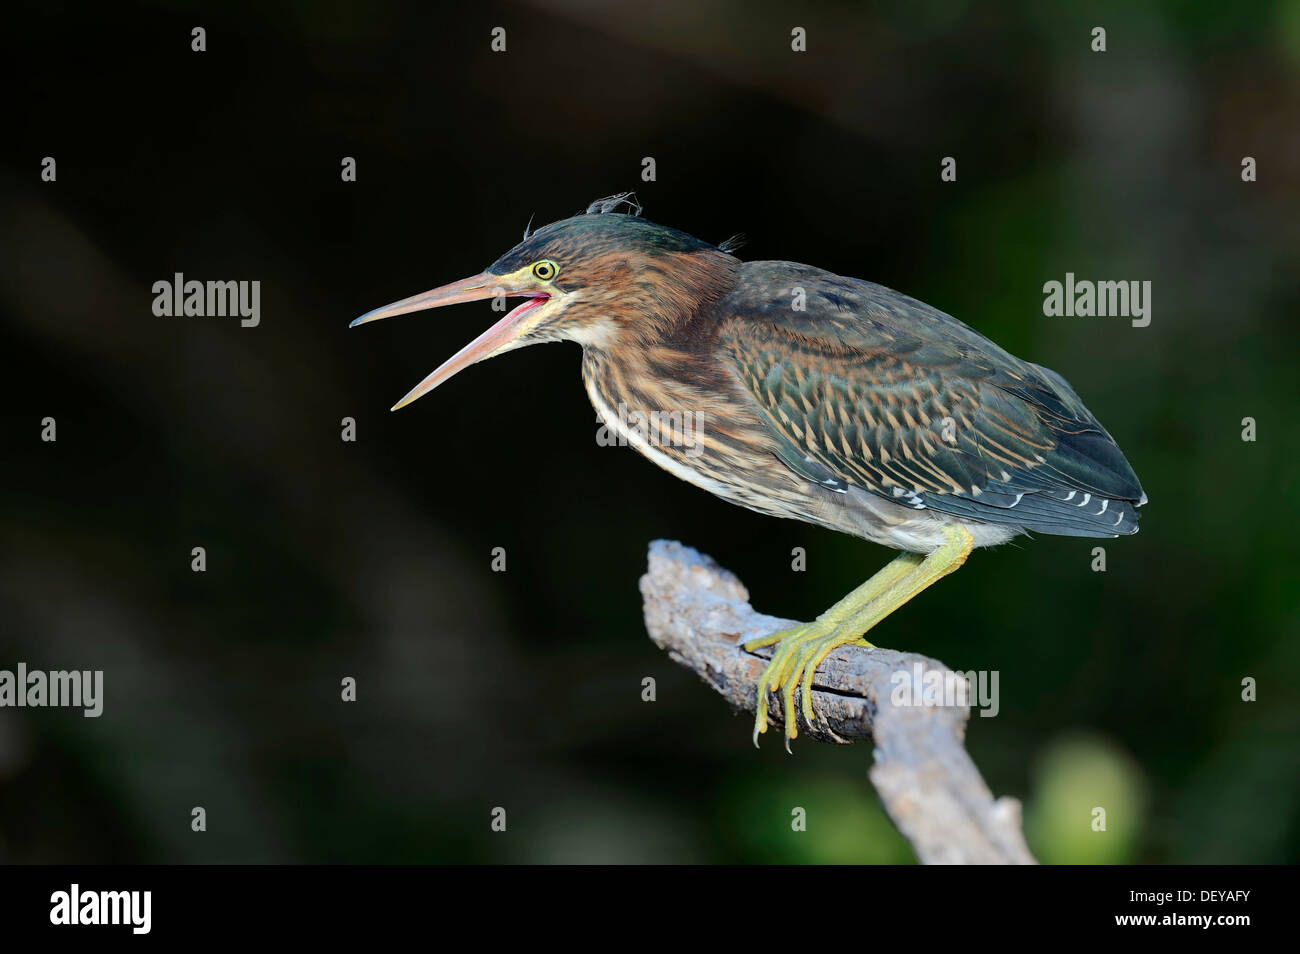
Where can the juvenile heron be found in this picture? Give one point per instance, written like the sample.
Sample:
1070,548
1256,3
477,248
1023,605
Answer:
819,398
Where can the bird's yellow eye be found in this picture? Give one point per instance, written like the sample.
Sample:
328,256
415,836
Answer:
545,270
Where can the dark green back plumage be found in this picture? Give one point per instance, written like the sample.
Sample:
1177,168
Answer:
870,388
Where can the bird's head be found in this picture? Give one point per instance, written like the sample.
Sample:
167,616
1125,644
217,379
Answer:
599,278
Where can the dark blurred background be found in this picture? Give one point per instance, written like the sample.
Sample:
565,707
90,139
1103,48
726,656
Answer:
372,559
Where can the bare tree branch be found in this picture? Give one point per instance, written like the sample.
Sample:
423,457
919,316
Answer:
700,614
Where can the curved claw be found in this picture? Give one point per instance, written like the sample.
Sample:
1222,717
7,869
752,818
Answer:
805,694
791,670
788,688
783,671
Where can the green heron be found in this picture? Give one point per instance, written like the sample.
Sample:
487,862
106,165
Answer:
820,398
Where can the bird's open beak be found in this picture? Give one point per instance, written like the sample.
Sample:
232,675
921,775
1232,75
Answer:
493,341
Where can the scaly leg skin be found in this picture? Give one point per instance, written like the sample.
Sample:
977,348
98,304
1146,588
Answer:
774,676
803,648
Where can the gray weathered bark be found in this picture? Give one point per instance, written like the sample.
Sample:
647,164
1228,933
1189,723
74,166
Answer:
700,614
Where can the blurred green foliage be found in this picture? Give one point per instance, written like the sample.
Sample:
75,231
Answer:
1088,805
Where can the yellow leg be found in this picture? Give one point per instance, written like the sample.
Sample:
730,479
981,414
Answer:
777,671
803,648
898,567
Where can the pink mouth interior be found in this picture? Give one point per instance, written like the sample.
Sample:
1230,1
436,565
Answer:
533,302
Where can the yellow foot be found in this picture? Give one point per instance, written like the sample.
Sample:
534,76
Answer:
798,653
800,650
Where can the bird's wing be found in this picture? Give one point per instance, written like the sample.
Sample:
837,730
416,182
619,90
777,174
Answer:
867,387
